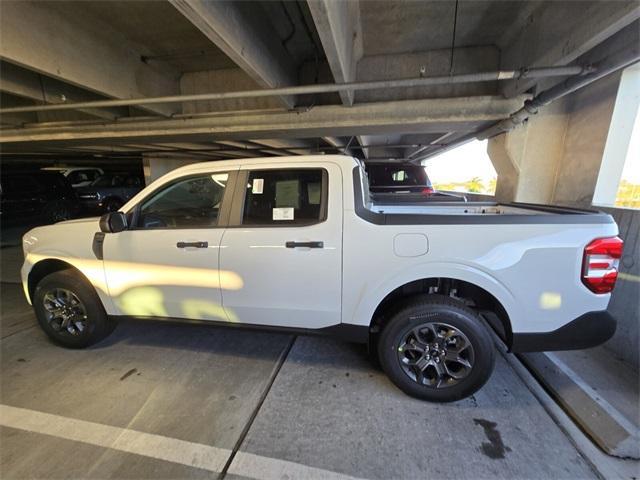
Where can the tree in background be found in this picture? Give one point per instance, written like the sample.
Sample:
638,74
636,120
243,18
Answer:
475,185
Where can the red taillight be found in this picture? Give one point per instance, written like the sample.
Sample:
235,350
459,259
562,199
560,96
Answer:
600,264
427,191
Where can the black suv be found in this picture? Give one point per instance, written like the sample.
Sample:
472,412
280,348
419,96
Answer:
41,196
403,182
398,178
109,192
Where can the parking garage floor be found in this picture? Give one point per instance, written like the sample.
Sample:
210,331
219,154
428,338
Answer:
180,401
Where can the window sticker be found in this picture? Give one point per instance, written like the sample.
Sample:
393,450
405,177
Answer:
288,193
258,186
283,213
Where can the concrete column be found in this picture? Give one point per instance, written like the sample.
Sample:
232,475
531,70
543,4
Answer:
616,150
527,158
555,158
590,113
155,167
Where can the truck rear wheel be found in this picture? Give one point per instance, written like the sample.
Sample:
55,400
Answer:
437,349
69,311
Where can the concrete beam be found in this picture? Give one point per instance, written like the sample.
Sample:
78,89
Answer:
283,144
246,38
557,33
253,147
338,143
415,116
428,63
223,80
56,40
16,119
338,25
364,140
26,84
429,144
381,146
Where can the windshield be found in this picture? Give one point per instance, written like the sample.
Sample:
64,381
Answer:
103,181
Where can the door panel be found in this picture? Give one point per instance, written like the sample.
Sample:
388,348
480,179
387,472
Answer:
292,286
149,275
166,264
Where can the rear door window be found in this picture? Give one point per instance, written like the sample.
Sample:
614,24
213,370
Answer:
285,197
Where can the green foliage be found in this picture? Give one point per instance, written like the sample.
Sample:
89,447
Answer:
474,185
628,195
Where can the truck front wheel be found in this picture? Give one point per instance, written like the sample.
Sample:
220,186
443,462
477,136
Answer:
437,349
69,311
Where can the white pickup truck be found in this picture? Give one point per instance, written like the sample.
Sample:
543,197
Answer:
294,243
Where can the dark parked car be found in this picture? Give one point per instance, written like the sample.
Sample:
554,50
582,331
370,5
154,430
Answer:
402,183
41,196
398,178
109,192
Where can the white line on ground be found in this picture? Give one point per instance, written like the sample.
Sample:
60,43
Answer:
255,466
192,454
131,441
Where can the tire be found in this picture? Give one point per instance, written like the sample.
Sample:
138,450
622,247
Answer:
437,349
85,318
112,204
57,211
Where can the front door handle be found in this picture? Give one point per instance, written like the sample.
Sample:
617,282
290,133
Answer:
305,244
192,244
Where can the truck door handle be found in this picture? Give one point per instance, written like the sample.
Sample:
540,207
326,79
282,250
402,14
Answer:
192,244
305,244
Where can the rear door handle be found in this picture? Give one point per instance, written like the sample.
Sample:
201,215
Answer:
305,244
192,244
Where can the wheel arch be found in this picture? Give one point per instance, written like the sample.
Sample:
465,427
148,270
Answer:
472,295
472,285
51,265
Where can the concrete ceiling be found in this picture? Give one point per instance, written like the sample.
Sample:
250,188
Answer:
78,51
409,26
157,29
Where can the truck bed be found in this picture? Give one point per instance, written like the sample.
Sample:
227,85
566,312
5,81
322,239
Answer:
377,211
478,212
454,208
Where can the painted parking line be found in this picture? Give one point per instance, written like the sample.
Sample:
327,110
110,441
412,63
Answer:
256,466
131,441
169,449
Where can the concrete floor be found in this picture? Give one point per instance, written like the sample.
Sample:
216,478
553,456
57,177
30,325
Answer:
182,401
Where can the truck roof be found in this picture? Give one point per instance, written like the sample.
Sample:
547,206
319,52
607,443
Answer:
345,160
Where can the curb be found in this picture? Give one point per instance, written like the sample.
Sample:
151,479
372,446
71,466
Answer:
607,427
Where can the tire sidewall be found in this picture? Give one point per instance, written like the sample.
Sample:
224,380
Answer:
97,325
461,318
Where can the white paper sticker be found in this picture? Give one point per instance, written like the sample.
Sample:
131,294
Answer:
258,185
288,193
285,213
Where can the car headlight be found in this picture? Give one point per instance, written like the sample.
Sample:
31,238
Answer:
90,196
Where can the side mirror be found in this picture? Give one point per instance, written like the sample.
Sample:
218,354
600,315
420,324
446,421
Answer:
113,222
